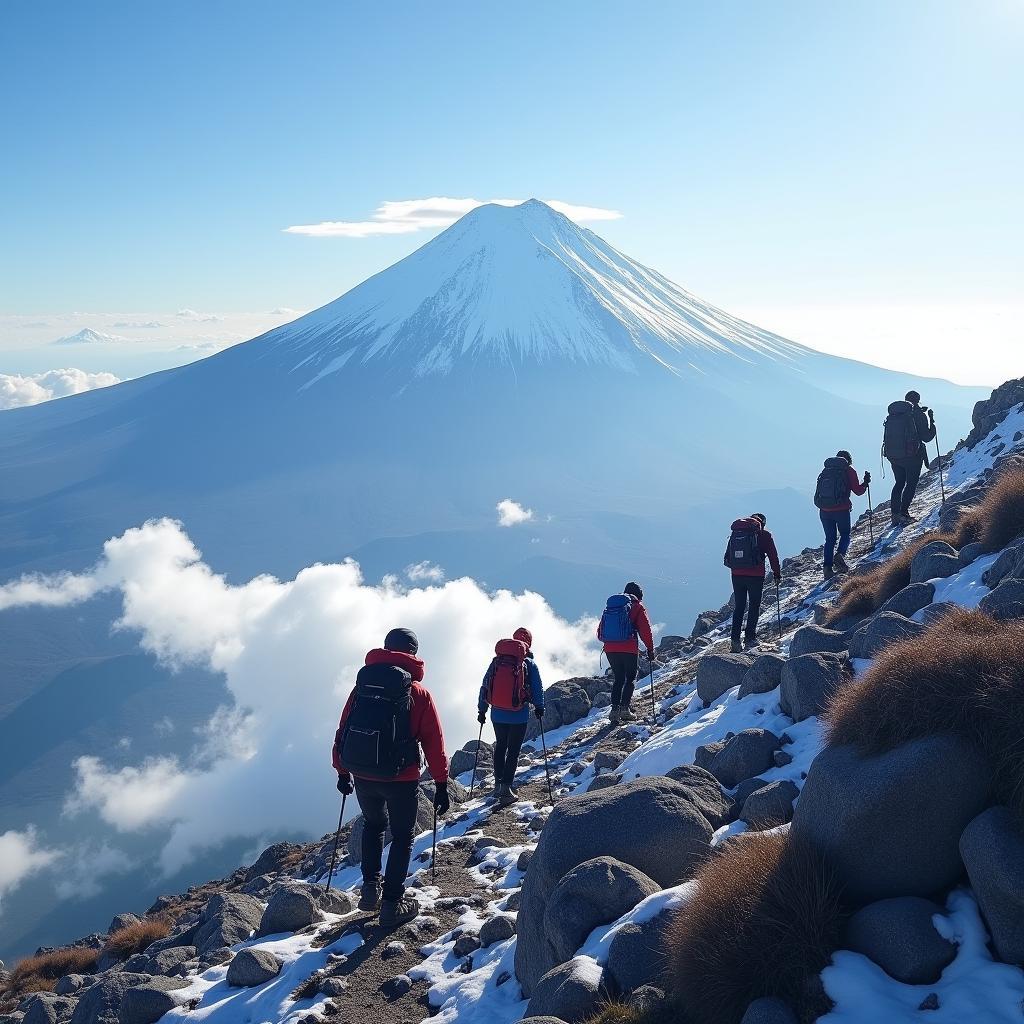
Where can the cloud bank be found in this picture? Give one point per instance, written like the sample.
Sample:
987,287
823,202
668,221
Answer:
289,651
406,216
21,855
511,513
17,391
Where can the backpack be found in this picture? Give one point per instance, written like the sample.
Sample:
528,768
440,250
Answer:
833,489
377,739
616,625
744,550
901,439
505,682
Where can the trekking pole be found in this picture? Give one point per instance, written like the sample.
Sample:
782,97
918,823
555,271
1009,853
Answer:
433,849
871,518
476,760
654,707
337,836
778,609
547,771
938,456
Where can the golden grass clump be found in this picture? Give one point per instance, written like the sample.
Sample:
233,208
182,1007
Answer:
136,937
764,921
620,1013
41,973
998,518
964,675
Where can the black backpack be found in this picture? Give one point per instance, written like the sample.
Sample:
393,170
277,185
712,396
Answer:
833,489
744,550
377,739
901,439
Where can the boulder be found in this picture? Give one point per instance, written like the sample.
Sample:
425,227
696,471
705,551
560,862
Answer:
122,921
648,1001
463,761
936,560
808,682
48,1008
745,755
718,673
899,936
571,992
705,791
770,805
743,790
1009,563
291,908
607,759
167,962
1006,601
333,901
910,599
993,850
888,628
146,1004
564,703
891,822
858,639
497,929
971,553
100,1003
228,918
769,1010
598,891
817,640
706,752
465,945
934,612
636,956
252,967
274,859
605,781
395,988
666,839
763,676
71,984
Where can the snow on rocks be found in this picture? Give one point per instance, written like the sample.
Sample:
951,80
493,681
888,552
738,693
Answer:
936,560
569,992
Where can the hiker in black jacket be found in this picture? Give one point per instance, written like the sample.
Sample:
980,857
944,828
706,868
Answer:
908,428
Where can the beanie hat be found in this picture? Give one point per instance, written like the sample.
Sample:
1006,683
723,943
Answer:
634,590
760,517
524,636
843,454
402,639
912,396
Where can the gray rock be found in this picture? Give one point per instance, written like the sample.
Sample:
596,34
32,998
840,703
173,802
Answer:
122,921
252,966
891,823
497,929
993,850
393,949
817,640
971,553
718,673
228,918
910,599
1007,564
570,993
763,676
899,936
146,1004
1006,601
466,945
333,901
887,628
333,986
705,791
745,755
934,612
769,1010
167,962
396,987
523,862
542,1020
605,781
808,682
463,761
705,754
936,560
101,1002
646,1000
636,956
857,640
770,806
743,791
666,839
607,759
70,984
48,1008
564,703
291,908
273,860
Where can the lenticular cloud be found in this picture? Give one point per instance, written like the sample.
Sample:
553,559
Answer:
289,651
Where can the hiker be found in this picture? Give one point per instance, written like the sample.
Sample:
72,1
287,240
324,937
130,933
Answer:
909,427
511,684
624,623
749,545
837,480
389,716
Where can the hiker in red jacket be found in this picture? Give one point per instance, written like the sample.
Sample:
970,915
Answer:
624,654
749,545
838,480
389,716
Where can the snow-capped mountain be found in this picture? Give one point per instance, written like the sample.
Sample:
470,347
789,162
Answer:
87,336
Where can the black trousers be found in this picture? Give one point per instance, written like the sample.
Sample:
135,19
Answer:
624,669
384,803
905,478
508,741
746,590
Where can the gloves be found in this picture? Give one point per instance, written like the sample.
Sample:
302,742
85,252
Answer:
482,717
651,658
931,415
867,479
538,713
442,802
345,785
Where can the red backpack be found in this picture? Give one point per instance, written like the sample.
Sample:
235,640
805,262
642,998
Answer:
506,678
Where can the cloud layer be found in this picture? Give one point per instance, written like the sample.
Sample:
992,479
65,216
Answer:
406,216
511,513
21,855
289,651
16,391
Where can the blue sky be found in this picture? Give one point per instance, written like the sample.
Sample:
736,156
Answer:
806,163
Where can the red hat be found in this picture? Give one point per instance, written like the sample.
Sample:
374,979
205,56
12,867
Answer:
523,635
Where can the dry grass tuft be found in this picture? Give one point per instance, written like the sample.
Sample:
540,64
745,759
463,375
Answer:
765,920
964,675
619,1013
136,937
42,972
998,518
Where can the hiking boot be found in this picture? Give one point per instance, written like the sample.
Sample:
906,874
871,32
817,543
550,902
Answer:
908,518
506,796
396,912
613,715
369,896
496,792
829,573
625,715
735,648
841,564
750,644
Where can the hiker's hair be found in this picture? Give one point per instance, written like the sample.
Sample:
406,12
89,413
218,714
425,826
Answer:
913,397
760,517
635,590
844,454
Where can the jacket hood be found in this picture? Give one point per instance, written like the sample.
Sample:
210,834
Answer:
412,664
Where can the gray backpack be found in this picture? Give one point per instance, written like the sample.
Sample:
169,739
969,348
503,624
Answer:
901,439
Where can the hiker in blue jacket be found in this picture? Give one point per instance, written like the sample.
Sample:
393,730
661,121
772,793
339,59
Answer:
510,725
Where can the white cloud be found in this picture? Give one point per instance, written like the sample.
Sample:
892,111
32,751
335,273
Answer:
289,651
17,391
85,867
424,572
511,513
142,325
406,216
203,318
20,856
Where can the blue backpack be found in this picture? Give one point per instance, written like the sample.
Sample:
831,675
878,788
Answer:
616,624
